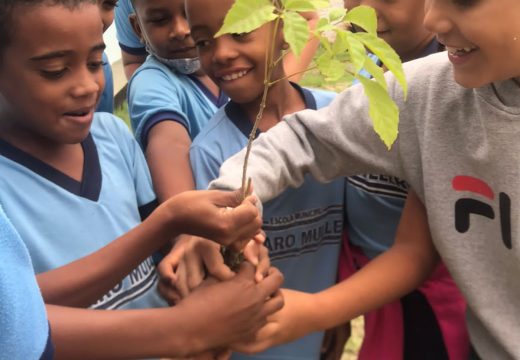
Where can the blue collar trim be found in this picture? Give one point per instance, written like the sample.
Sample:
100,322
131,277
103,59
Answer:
90,185
218,102
238,116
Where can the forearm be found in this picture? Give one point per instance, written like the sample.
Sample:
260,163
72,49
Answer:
338,140
95,334
84,281
168,156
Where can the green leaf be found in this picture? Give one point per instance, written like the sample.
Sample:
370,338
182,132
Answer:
246,16
337,14
331,68
304,5
376,71
296,31
386,54
323,25
383,111
356,50
364,17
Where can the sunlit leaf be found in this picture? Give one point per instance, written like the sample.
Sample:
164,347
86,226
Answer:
246,16
364,17
356,50
296,31
330,67
304,5
376,71
386,55
383,111
337,14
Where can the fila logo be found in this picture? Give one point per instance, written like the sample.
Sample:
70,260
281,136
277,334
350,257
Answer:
466,206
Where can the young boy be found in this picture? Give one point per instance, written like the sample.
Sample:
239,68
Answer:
428,322
458,136
41,80
87,173
106,103
303,227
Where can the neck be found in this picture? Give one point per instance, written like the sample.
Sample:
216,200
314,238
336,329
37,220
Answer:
282,99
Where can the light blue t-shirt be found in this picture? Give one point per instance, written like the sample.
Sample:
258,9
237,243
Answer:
106,102
127,38
61,220
24,330
156,94
303,226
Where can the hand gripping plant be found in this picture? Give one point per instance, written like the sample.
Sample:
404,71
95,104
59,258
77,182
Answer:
344,55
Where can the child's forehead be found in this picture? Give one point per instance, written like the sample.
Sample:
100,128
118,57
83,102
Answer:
51,26
207,12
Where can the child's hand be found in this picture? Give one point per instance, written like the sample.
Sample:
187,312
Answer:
282,327
216,215
257,254
167,270
233,310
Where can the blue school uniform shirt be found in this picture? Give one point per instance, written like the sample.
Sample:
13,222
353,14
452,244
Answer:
303,226
156,94
24,330
127,38
106,102
61,220
374,203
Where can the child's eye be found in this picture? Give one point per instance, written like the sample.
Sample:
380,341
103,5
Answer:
96,65
53,74
158,20
465,3
110,4
202,43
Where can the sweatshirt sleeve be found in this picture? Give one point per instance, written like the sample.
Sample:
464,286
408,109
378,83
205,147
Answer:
338,140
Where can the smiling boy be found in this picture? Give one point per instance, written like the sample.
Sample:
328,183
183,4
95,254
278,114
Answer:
458,147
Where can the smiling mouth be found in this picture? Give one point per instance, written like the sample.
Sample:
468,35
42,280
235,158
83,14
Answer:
235,75
460,51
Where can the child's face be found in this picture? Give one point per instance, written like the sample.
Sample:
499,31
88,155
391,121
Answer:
106,8
234,62
482,37
163,25
400,24
51,74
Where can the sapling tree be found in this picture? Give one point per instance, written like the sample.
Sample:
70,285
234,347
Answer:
344,55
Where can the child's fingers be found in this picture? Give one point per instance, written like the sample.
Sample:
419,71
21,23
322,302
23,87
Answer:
274,304
264,264
272,283
214,263
194,267
182,281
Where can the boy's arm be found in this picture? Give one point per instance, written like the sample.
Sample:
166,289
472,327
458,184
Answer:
211,317
84,281
337,140
391,275
168,157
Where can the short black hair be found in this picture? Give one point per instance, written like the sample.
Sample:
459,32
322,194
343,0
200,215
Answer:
8,6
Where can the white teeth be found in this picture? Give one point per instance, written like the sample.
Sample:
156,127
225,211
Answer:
234,76
459,51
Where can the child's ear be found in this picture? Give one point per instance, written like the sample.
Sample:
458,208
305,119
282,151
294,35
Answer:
136,26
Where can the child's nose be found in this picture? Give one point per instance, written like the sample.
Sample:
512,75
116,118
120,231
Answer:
87,83
436,17
180,29
224,50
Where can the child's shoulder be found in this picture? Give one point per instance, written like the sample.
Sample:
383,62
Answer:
322,97
153,66
108,125
218,128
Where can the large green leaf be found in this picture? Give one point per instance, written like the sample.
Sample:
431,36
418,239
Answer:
356,50
376,71
386,54
383,111
364,17
330,67
304,5
246,16
296,31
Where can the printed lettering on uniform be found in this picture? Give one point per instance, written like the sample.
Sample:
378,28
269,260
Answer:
467,208
138,282
381,185
303,232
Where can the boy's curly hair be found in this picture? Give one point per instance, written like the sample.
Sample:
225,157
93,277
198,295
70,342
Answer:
6,15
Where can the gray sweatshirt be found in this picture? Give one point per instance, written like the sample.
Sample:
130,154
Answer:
460,151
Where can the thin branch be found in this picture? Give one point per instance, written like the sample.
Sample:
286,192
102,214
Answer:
294,74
